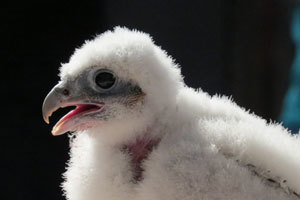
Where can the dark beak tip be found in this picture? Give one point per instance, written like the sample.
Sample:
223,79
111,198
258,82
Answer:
50,104
46,120
45,114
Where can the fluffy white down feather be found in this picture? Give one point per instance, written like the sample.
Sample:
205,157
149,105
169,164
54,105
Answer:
207,142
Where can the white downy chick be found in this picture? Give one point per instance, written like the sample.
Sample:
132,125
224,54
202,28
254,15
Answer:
139,133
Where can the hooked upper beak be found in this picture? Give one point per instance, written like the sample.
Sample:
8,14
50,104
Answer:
60,97
55,99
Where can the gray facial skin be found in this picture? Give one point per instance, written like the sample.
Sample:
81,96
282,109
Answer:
121,88
83,89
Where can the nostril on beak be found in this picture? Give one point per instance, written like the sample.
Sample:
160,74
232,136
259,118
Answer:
66,92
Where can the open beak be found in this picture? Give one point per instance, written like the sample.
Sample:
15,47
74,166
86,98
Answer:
60,98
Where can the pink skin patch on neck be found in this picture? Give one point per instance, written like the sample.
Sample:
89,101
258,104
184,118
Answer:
139,151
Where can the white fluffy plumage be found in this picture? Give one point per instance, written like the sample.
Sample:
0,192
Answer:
210,148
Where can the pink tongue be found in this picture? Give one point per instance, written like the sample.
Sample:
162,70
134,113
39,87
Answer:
80,109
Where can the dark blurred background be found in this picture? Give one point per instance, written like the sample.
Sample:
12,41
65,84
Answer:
237,48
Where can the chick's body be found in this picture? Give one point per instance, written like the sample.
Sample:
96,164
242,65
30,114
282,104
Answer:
173,142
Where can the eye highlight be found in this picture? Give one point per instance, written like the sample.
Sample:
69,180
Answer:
105,80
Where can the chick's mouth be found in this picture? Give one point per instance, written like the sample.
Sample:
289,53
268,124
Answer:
68,122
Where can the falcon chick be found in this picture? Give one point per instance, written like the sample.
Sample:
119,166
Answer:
139,133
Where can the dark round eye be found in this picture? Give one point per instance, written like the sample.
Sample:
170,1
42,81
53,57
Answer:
105,80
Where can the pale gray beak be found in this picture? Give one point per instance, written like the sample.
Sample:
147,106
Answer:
55,99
